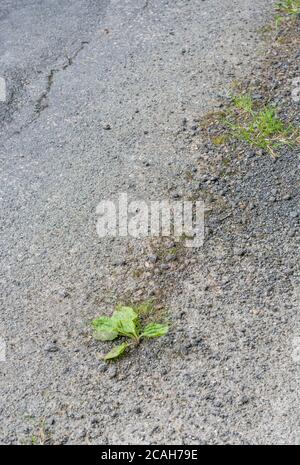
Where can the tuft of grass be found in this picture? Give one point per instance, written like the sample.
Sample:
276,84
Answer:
289,7
286,8
261,128
40,437
243,102
33,440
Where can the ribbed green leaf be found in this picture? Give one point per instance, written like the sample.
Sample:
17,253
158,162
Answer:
126,319
155,330
116,351
104,328
124,313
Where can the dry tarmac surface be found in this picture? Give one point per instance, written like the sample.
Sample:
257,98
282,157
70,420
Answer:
105,97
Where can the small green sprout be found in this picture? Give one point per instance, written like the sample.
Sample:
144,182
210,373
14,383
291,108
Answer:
124,322
243,102
33,440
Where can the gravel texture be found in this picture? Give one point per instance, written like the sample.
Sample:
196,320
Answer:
111,100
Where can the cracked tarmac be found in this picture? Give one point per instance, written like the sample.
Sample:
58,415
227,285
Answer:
73,69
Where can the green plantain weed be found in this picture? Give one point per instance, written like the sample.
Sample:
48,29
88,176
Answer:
124,322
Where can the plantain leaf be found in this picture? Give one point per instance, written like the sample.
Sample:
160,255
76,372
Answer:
116,351
155,330
124,313
104,328
126,321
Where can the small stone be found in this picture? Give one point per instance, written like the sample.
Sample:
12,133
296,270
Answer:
103,367
152,258
171,245
82,433
255,311
176,195
244,400
63,294
238,251
119,262
112,372
107,127
50,421
52,348
164,266
171,258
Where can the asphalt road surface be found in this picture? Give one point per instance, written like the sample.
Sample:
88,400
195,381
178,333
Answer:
96,92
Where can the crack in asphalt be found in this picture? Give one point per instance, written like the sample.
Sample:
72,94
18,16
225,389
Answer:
42,102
